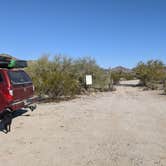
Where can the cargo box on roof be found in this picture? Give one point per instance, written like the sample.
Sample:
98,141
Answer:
7,61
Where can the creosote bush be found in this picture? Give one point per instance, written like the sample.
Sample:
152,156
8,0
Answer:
64,76
151,73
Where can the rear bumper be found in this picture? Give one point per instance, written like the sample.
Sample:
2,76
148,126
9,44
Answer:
23,103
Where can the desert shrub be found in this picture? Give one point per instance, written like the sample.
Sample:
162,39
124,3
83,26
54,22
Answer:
164,86
128,76
116,76
87,65
119,75
150,72
52,78
63,76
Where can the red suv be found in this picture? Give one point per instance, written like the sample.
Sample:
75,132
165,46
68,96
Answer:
16,90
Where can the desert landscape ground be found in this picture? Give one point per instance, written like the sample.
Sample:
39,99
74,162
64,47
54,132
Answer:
122,128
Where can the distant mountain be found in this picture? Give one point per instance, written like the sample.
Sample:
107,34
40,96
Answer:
121,69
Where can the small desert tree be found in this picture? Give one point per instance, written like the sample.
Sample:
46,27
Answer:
116,75
53,78
152,71
88,65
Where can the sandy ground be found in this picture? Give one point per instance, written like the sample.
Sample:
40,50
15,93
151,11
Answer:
123,128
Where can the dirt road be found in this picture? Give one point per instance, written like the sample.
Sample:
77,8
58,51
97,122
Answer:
123,128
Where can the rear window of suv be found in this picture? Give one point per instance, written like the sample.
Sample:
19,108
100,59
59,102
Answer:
19,77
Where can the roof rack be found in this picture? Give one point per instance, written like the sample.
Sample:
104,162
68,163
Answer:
7,61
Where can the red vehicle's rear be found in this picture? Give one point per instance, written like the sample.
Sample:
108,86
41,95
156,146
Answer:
16,90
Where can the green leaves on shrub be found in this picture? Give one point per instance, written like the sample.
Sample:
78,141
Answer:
64,76
152,71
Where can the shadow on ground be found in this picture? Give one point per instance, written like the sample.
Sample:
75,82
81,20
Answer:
15,114
130,85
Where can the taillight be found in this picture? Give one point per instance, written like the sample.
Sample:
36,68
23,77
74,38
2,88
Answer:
33,88
9,95
11,92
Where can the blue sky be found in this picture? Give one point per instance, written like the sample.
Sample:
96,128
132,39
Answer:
114,32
